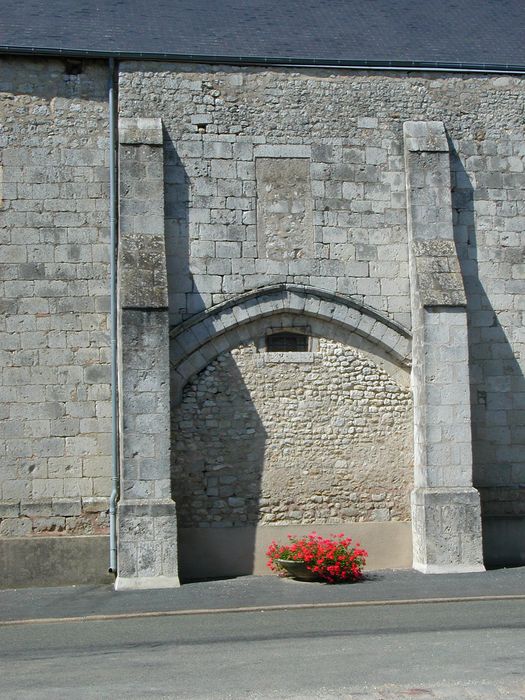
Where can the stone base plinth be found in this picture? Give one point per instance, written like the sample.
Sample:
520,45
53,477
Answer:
446,530
147,545
60,560
138,583
210,552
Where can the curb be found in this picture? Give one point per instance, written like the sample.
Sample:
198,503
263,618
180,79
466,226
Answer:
251,609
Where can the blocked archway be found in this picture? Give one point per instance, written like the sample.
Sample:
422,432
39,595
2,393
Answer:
253,455
195,343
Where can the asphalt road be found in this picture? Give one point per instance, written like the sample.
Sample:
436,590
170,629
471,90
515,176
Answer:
445,650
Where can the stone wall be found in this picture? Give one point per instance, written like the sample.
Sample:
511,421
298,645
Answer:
231,137
489,221
223,123
292,438
55,399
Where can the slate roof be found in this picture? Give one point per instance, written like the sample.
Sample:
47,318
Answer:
456,33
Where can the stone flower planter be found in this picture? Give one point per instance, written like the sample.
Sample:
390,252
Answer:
297,570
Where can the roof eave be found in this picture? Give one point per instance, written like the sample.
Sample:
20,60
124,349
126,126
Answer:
304,62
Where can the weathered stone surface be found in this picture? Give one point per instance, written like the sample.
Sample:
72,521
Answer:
284,208
143,272
96,504
142,251
37,507
145,383
439,275
9,510
68,507
140,130
425,136
15,527
147,547
54,255
55,402
267,442
446,537
449,524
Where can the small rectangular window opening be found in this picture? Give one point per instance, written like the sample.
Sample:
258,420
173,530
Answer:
286,342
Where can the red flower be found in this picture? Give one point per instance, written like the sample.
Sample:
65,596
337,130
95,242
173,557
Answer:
334,560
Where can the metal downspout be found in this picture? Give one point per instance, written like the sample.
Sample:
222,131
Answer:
113,317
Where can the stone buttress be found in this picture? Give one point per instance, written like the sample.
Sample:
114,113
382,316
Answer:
147,524
446,518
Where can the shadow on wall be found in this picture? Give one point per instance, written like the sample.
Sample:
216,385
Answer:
50,78
286,441
225,455
209,492
496,379
218,453
176,213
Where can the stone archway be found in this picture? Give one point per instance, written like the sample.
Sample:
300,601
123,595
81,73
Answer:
195,343
445,506
245,437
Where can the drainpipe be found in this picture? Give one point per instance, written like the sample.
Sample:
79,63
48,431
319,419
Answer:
113,315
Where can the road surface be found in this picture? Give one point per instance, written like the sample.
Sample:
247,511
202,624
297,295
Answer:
441,650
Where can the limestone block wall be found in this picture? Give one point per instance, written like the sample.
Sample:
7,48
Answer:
232,136
235,137
54,402
488,177
228,128
293,438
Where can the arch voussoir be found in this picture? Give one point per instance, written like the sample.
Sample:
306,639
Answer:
199,340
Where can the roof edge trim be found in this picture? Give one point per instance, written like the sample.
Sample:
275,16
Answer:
438,66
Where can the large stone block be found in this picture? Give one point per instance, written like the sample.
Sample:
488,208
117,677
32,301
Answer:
425,137
284,208
446,530
141,130
142,264
147,532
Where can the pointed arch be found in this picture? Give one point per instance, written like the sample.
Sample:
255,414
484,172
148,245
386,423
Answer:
199,340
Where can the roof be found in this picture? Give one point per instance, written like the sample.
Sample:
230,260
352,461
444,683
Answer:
433,33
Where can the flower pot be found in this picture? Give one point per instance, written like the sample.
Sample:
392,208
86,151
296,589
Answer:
297,570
